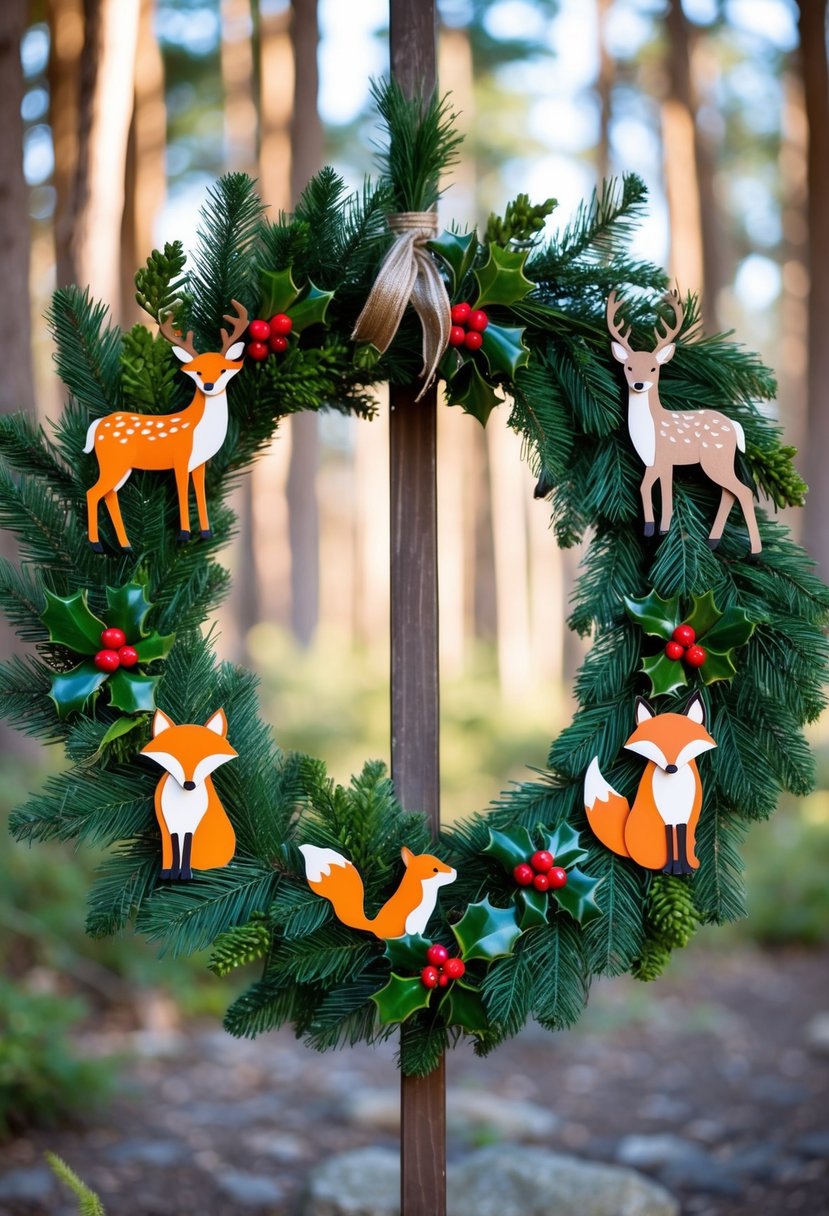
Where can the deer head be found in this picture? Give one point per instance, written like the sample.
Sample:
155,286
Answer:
212,370
642,366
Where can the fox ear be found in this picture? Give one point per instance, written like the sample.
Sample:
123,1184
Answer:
695,710
217,723
643,711
407,855
161,722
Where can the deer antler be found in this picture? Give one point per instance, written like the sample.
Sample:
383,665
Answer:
174,336
616,330
662,331
238,325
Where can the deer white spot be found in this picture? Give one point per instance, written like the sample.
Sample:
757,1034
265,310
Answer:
173,430
125,440
687,440
176,420
184,425
726,428
717,445
706,427
673,438
118,417
151,439
100,438
146,431
130,430
705,445
107,424
663,434
117,434
715,434
162,434
159,424
133,417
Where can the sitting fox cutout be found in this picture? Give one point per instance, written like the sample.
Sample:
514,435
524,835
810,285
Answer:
659,830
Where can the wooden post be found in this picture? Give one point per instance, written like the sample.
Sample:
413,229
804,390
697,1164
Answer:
414,641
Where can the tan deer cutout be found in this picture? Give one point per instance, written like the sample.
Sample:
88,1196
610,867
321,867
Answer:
182,442
664,438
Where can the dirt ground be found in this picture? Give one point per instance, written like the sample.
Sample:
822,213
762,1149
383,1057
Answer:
713,1081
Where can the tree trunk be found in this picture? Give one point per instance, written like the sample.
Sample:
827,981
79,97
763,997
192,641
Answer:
816,89
66,40
792,357
604,91
16,384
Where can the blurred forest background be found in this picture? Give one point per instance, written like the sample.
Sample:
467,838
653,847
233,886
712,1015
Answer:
117,115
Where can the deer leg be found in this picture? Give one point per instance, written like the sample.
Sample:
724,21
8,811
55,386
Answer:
183,489
114,508
646,490
93,498
726,503
745,498
201,502
666,485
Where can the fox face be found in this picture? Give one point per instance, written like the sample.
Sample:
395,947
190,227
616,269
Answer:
670,740
189,753
211,372
428,868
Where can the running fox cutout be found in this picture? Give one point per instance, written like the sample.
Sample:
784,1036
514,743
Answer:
335,878
196,833
659,830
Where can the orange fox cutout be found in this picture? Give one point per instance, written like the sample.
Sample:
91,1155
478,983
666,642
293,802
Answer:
335,878
182,442
196,833
659,830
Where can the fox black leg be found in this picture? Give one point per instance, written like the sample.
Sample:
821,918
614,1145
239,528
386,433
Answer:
186,872
682,864
175,872
668,867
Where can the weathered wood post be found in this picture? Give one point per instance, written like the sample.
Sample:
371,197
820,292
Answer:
414,640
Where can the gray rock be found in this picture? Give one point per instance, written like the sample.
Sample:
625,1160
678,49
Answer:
466,1109
159,1153
503,1180
35,1185
813,1144
817,1034
249,1190
646,1152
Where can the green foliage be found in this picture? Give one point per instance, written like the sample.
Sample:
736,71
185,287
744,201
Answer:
88,1202
161,286
422,144
240,946
521,222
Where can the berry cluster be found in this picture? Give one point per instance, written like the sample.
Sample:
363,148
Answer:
683,646
116,652
269,336
540,872
468,325
441,967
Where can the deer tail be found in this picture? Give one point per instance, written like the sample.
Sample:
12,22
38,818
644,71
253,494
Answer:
90,435
740,433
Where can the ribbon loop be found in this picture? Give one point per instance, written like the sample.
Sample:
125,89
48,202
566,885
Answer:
408,275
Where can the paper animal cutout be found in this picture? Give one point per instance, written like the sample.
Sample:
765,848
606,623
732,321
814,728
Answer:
182,442
196,833
332,876
664,438
659,830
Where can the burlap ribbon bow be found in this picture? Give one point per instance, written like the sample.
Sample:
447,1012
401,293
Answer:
408,275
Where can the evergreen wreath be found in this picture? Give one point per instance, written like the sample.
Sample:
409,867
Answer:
507,946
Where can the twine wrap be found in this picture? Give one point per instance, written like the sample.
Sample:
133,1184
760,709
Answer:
408,275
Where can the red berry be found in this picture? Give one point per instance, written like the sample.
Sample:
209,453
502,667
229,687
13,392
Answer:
557,877
260,331
257,350
674,650
684,634
278,344
111,639
542,861
454,968
443,980
429,977
460,314
523,874
478,320
473,340
695,656
437,954
457,334
127,656
107,660
281,324
541,882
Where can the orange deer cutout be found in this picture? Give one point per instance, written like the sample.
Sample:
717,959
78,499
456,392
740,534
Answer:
182,442
664,438
196,833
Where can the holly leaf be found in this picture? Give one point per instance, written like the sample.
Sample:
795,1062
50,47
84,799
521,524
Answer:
311,309
504,349
278,291
401,997
511,848
486,932
656,617
407,953
127,607
116,730
72,623
475,394
704,614
365,355
131,692
532,908
565,845
462,1006
71,690
717,667
578,896
666,675
154,646
501,280
733,629
457,251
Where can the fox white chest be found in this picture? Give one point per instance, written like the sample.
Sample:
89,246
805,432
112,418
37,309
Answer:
183,810
674,794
